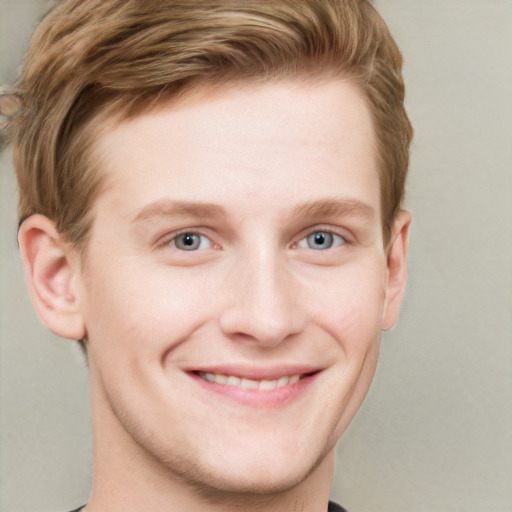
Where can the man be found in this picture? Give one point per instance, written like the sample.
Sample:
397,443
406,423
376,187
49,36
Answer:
210,201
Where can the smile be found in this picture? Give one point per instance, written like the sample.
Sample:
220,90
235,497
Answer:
261,388
260,385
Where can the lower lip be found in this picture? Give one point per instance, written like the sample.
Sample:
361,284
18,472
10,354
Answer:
271,399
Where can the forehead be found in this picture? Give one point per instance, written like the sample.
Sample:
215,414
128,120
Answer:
251,145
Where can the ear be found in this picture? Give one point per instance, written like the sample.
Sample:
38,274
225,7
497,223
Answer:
397,269
50,268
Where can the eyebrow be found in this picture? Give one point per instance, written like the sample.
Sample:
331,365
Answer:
169,208
334,208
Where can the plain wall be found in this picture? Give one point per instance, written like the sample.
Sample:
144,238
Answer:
435,433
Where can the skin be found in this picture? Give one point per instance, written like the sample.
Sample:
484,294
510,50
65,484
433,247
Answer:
275,190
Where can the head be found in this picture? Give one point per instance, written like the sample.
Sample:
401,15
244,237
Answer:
212,197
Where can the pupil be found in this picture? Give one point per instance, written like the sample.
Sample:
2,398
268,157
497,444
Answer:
188,240
320,239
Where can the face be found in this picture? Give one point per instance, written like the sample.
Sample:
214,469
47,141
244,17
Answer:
234,285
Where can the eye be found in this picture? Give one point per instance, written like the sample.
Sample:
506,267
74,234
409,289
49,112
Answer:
321,240
191,242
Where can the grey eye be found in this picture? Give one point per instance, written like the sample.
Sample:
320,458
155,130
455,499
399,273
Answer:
321,240
190,242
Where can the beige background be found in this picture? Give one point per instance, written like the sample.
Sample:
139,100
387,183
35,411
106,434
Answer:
436,431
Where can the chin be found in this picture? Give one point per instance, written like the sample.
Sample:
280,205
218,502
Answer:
259,478
242,485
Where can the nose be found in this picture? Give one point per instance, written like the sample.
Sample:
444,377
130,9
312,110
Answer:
261,305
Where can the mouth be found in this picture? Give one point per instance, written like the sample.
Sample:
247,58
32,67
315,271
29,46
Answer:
267,391
259,385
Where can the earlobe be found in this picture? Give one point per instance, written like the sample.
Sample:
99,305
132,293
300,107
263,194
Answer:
50,272
397,269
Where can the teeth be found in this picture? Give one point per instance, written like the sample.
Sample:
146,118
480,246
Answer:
261,385
267,385
249,384
233,381
282,381
294,379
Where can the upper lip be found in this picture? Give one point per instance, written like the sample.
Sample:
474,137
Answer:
257,372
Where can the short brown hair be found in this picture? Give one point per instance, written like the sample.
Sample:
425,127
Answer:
91,59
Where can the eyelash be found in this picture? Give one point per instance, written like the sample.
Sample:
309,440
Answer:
188,232
337,240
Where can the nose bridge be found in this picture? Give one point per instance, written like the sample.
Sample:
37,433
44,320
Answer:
262,304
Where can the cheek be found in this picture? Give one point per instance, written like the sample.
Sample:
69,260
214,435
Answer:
351,307
126,304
